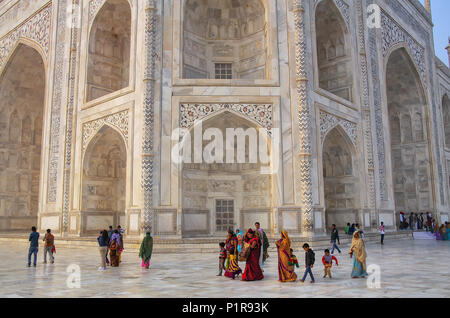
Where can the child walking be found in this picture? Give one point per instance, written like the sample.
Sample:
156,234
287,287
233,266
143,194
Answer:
327,261
222,258
309,263
233,269
293,259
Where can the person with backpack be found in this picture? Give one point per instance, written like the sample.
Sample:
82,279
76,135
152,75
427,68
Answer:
103,242
34,246
334,238
309,262
49,245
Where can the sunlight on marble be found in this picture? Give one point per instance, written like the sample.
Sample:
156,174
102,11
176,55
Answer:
408,269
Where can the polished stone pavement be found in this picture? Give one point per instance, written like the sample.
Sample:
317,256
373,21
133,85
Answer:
408,269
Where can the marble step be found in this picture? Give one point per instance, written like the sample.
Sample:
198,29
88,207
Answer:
207,245
424,236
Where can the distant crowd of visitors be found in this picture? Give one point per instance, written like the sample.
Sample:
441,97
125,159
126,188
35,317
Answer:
417,221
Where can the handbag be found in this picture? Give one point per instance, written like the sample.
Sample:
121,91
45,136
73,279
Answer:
243,255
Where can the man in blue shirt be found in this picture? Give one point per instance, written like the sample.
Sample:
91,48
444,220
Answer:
34,246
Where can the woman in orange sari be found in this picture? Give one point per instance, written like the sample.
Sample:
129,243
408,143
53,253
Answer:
285,270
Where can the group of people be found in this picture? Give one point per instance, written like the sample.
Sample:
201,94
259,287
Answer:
287,261
110,241
252,247
351,229
415,221
49,246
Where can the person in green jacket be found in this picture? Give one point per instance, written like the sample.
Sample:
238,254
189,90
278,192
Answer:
145,252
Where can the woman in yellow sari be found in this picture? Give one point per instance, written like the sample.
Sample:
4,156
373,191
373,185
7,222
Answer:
285,268
358,251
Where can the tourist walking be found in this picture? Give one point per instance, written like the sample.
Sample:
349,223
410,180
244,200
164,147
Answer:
327,261
411,221
240,240
146,249
309,262
382,233
264,244
334,238
233,269
222,257
49,245
231,241
34,246
358,252
114,246
121,247
286,270
421,221
402,221
252,269
103,242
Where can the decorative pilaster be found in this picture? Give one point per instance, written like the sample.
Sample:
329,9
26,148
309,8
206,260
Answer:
304,119
148,110
74,52
366,114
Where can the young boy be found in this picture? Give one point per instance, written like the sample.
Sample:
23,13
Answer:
293,259
309,262
222,258
327,261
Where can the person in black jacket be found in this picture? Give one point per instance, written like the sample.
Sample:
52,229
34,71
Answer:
334,238
309,262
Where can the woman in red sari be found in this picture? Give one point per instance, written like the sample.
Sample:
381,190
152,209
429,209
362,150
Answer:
252,270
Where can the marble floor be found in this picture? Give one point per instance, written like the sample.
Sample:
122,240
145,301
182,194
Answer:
408,269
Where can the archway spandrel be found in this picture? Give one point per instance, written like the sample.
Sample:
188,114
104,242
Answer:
36,29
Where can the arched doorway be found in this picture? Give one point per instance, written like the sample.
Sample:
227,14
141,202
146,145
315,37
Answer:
22,97
109,50
341,181
410,158
224,39
334,51
218,195
104,181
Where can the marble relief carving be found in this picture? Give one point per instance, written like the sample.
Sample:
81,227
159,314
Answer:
328,122
260,113
393,34
36,29
118,120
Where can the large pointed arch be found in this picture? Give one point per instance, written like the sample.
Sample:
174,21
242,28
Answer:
109,49
409,137
340,179
22,100
217,196
103,181
334,51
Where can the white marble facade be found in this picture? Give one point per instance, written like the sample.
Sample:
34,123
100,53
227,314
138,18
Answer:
356,118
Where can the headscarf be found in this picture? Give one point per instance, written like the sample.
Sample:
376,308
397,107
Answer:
359,249
145,252
116,237
286,237
240,233
246,239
